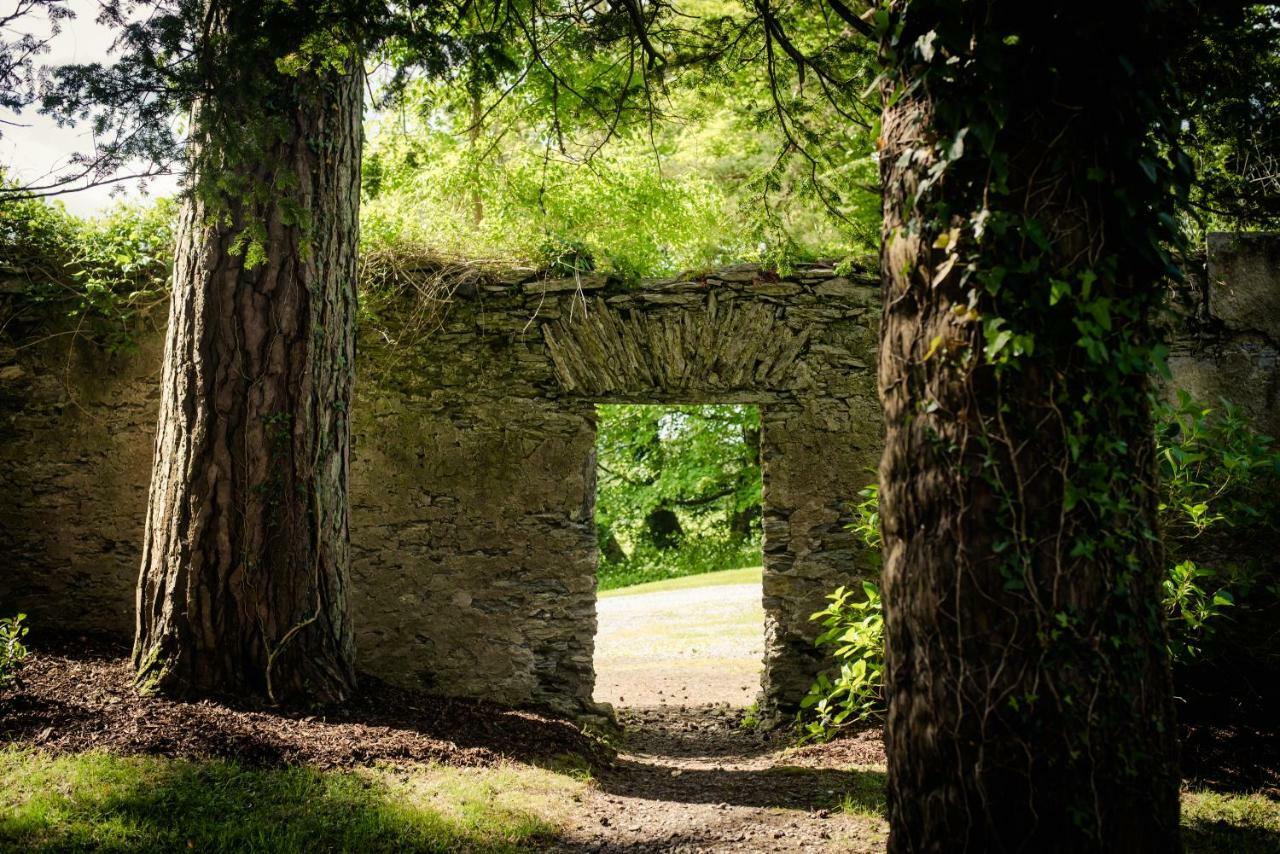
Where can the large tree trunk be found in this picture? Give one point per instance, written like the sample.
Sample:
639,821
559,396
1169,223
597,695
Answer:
244,577
1030,704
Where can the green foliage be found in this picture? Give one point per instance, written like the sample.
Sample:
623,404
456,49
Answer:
866,518
102,273
1230,74
620,214
721,159
12,650
1220,489
854,636
1216,470
1193,610
678,491
1218,475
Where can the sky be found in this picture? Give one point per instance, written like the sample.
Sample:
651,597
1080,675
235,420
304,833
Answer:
39,146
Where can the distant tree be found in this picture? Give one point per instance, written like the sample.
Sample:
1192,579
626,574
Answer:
660,463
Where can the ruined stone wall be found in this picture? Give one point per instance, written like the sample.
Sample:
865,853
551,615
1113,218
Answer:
473,466
501,394
473,471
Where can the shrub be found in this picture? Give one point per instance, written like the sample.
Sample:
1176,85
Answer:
694,556
12,651
101,273
855,635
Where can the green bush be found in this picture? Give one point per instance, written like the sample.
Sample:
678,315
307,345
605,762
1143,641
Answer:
12,650
854,632
1219,487
99,273
1220,514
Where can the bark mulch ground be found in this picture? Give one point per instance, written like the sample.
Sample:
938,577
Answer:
77,694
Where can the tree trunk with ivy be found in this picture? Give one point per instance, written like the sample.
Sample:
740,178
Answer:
1025,214
244,580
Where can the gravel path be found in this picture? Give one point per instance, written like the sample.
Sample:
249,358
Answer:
699,646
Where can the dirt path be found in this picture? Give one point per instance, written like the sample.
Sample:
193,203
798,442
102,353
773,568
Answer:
696,646
681,666
692,779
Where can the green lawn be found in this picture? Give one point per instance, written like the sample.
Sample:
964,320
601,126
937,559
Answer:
99,802
750,575
1241,824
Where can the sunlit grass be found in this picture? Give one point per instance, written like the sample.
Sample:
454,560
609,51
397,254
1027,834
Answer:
96,801
99,802
1241,824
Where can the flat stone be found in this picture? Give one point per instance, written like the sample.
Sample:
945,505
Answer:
775,289
573,283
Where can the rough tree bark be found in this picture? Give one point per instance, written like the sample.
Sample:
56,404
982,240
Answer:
1030,704
244,579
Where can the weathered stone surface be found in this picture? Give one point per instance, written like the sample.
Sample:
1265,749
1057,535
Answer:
554,286
1226,344
1243,293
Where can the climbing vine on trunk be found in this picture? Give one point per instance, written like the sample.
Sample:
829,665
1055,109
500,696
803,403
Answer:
1027,211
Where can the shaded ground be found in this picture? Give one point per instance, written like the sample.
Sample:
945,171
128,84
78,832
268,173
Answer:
692,779
680,644
88,765
77,694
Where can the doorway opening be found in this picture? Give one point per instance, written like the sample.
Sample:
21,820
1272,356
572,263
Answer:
678,521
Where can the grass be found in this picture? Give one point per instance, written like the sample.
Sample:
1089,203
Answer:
748,575
696,556
1241,824
99,802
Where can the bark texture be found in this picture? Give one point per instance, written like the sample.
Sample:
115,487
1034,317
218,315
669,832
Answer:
243,588
1030,704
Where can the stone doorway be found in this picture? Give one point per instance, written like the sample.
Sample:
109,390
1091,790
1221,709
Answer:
680,616
481,469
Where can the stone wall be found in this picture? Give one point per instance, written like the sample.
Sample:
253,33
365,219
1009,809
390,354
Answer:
473,473
494,423
76,435
473,467
1227,344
